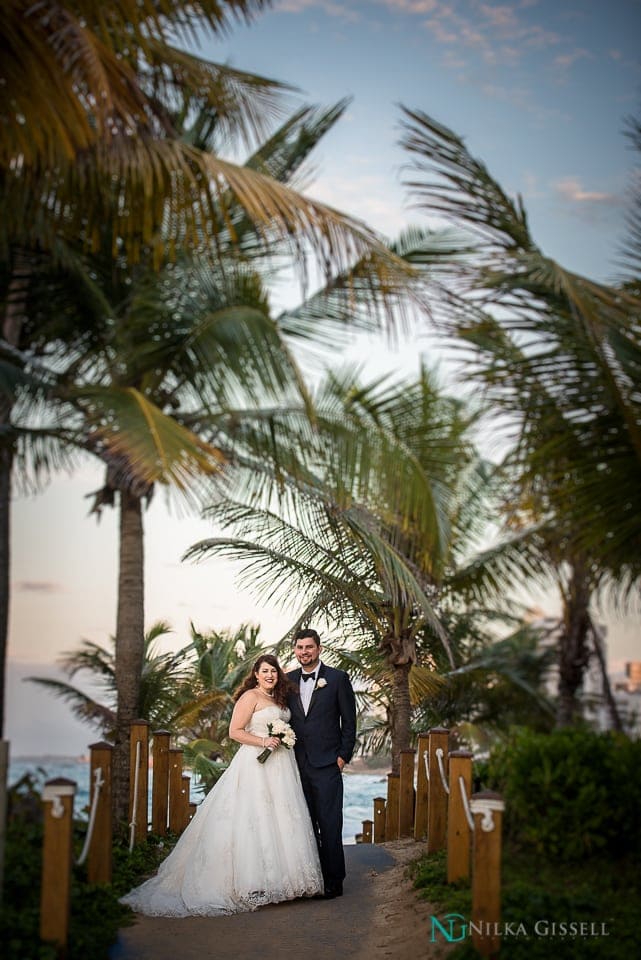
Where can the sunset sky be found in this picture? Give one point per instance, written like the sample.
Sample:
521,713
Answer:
539,90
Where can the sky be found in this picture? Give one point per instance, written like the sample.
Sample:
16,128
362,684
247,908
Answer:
539,90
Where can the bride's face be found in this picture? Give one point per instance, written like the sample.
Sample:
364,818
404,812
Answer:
267,677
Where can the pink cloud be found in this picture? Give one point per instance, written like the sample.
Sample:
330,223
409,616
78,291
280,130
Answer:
565,60
570,188
328,7
38,586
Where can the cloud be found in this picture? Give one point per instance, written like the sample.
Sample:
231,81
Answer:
38,586
570,189
566,60
327,6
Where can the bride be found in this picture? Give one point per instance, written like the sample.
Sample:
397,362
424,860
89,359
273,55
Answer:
250,841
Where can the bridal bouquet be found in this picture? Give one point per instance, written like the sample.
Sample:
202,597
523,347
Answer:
284,733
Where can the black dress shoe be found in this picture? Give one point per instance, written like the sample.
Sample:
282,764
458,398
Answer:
334,891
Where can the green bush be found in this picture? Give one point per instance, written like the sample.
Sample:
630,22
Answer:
570,793
96,914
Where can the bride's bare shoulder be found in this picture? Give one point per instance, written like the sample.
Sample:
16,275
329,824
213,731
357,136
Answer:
248,699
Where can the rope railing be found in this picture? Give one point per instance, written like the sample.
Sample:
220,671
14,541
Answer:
427,765
98,784
134,806
441,770
466,803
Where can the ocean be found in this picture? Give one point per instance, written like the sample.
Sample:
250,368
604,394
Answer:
359,788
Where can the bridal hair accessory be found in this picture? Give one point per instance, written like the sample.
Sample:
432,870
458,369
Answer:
284,733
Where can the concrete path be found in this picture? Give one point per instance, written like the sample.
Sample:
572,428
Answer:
296,930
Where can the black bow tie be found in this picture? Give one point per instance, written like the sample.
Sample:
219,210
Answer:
308,676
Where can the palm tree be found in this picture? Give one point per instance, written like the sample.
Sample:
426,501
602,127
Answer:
94,110
371,567
175,362
558,356
189,691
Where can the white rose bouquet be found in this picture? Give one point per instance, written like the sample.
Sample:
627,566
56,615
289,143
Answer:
282,730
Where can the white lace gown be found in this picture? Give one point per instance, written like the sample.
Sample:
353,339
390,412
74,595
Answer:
249,843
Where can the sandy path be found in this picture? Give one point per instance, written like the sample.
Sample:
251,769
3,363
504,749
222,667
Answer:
379,916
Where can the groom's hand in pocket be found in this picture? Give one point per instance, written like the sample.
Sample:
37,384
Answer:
341,763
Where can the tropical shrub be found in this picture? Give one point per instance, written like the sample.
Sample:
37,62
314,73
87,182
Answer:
571,793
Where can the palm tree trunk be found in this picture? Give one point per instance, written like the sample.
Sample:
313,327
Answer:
130,642
573,652
11,329
6,463
401,713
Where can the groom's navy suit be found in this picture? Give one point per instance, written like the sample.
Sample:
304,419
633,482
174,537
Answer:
326,732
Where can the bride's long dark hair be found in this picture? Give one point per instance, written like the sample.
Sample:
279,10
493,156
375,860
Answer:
281,690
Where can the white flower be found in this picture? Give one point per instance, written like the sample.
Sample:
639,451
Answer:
321,683
282,730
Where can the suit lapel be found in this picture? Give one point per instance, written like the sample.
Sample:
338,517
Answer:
295,678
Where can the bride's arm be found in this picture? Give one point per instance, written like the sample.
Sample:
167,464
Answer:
240,719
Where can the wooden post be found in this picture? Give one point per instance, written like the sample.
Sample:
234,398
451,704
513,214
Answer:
192,811
175,790
184,797
379,819
406,794
437,795
392,806
160,782
139,733
100,845
367,831
487,810
420,813
57,798
458,829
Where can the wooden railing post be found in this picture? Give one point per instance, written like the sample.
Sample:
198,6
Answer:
139,734
392,806
487,810
367,831
379,819
420,814
160,782
99,858
175,790
458,830
57,799
437,795
406,794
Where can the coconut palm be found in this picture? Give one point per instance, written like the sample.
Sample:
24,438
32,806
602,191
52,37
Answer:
371,567
174,362
166,688
188,691
558,357
89,105
94,112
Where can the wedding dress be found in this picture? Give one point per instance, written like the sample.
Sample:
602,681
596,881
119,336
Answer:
249,843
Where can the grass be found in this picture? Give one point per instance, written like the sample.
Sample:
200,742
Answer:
596,892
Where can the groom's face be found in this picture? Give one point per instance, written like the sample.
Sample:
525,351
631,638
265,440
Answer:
307,652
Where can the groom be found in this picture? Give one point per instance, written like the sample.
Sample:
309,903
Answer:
323,716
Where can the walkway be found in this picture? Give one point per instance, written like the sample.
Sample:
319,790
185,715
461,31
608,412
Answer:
296,930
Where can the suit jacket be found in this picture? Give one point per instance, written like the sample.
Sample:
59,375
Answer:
328,731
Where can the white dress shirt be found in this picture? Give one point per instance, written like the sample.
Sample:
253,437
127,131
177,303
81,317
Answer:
306,687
